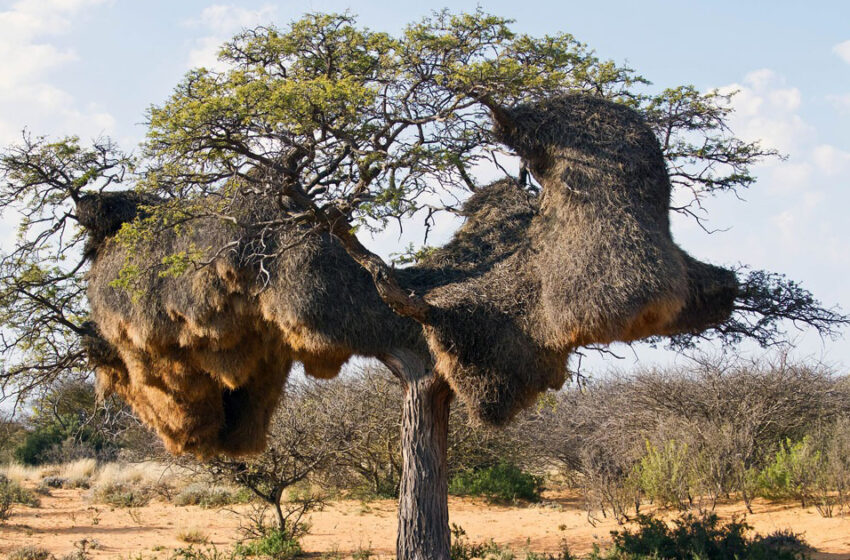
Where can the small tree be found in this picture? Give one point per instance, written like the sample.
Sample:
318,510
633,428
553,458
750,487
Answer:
303,440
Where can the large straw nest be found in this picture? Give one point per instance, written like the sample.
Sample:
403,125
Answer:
527,279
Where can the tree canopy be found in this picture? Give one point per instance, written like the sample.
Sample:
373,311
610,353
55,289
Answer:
359,128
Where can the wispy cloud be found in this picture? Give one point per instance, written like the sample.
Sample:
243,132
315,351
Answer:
840,102
796,190
843,51
221,21
766,110
26,92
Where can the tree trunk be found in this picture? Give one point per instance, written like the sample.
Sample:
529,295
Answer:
423,509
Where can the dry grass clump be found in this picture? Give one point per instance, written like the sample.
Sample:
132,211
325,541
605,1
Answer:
146,472
25,473
29,552
210,495
133,485
79,473
193,536
76,474
123,494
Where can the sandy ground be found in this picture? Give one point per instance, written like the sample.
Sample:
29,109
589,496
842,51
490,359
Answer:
67,517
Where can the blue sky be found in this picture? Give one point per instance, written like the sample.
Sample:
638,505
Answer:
92,67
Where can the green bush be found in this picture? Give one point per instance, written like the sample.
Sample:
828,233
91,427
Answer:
793,472
665,474
503,482
462,549
37,443
274,544
692,538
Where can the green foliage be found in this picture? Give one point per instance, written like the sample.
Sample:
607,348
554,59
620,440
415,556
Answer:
462,549
12,435
665,474
37,442
42,289
793,472
274,544
692,538
202,553
502,482
66,416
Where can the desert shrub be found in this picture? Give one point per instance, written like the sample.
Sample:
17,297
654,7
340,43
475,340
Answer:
359,415
12,434
815,470
36,443
13,493
210,495
692,537
462,549
209,552
274,544
131,485
784,540
503,481
730,414
665,474
79,473
302,441
793,472
563,554
123,494
838,460
68,423
29,552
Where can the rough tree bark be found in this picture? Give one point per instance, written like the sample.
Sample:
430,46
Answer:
423,509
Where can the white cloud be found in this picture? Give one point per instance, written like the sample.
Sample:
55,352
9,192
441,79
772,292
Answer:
222,22
830,160
796,208
26,92
223,19
843,51
840,102
786,223
766,111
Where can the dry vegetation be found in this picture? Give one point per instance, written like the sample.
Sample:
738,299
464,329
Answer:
721,436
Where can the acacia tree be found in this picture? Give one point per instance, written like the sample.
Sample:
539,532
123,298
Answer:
325,128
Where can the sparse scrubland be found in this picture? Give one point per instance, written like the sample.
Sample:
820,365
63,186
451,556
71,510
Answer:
627,450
